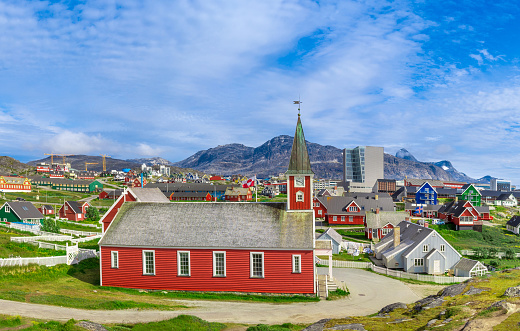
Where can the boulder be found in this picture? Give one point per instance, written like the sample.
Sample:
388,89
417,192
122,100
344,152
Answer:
473,290
391,307
318,326
91,326
431,322
513,292
452,290
503,305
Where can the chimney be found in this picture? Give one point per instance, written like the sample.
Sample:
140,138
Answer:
397,236
456,199
377,210
376,197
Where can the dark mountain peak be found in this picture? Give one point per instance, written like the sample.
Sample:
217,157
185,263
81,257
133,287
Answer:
404,154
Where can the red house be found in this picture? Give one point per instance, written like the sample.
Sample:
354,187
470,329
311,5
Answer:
46,209
461,213
110,194
132,194
74,210
190,196
238,194
136,182
319,207
240,247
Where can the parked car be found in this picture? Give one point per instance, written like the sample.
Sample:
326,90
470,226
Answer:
20,199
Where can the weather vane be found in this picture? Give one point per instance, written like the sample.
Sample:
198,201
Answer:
298,103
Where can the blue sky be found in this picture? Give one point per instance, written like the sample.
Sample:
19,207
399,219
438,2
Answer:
168,78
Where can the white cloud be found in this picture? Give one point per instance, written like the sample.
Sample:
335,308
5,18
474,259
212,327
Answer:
68,142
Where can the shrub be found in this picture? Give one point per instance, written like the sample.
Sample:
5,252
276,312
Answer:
50,225
92,214
493,263
510,254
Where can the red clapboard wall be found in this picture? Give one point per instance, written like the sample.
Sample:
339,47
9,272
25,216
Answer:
277,271
306,204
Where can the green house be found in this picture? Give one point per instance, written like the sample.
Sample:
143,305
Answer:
20,211
471,194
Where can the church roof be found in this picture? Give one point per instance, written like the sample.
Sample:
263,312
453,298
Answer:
299,162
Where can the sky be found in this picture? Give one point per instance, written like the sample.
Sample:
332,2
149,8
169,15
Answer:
161,78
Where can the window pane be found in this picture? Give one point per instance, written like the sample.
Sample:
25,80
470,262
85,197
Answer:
184,264
149,264
297,266
257,265
219,264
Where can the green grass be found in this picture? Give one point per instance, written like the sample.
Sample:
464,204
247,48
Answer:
10,248
338,294
344,256
10,321
77,227
281,327
490,237
43,196
179,323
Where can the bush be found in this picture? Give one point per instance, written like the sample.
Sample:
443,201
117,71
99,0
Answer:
493,263
510,254
50,225
92,214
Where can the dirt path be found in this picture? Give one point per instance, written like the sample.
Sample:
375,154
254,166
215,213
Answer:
369,293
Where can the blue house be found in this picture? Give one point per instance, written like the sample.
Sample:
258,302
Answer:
426,195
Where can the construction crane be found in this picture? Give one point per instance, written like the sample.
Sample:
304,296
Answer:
104,161
53,154
87,163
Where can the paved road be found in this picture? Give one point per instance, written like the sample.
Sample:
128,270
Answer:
369,293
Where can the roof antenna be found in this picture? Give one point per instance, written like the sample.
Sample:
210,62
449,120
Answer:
298,103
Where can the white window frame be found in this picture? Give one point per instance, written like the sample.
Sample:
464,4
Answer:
251,275
343,218
179,264
334,218
215,263
425,248
351,219
443,248
418,262
299,196
114,259
297,267
319,212
144,262
7,209
317,204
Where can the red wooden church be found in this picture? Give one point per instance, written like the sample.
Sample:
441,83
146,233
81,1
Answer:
209,246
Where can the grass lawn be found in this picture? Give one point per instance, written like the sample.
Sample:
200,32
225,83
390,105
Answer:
77,286
102,203
77,227
356,236
491,237
344,256
9,248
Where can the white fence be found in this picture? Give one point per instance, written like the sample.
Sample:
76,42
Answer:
80,240
79,233
20,261
395,273
34,228
36,238
500,255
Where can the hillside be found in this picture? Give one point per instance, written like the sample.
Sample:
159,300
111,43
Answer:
9,166
272,158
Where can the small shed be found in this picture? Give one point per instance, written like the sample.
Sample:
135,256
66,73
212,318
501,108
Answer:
513,224
334,237
469,268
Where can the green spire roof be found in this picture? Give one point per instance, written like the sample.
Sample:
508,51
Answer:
299,162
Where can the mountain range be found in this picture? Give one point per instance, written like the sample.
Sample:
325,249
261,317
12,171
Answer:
271,158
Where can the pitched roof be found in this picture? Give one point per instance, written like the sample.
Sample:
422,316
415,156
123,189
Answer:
299,163
323,244
378,221
232,191
465,264
210,224
332,234
143,194
76,206
24,210
189,187
514,221
188,194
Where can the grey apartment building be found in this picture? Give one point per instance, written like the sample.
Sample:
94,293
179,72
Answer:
362,167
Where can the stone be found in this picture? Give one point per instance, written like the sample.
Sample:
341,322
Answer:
389,308
91,326
473,290
502,305
318,326
431,322
435,303
453,290
431,301
353,326
400,320
513,292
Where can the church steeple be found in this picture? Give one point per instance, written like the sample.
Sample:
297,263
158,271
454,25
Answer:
299,174
299,162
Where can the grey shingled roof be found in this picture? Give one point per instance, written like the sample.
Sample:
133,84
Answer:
514,221
210,224
187,194
144,194
189,187
378,221
333,234
411,235
323,244
465,264
76,206
24,210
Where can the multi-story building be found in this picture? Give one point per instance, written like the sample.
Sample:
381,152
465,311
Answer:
500,185
362,167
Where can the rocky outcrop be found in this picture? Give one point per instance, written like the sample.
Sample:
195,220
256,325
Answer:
513,292
391,307
452,290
